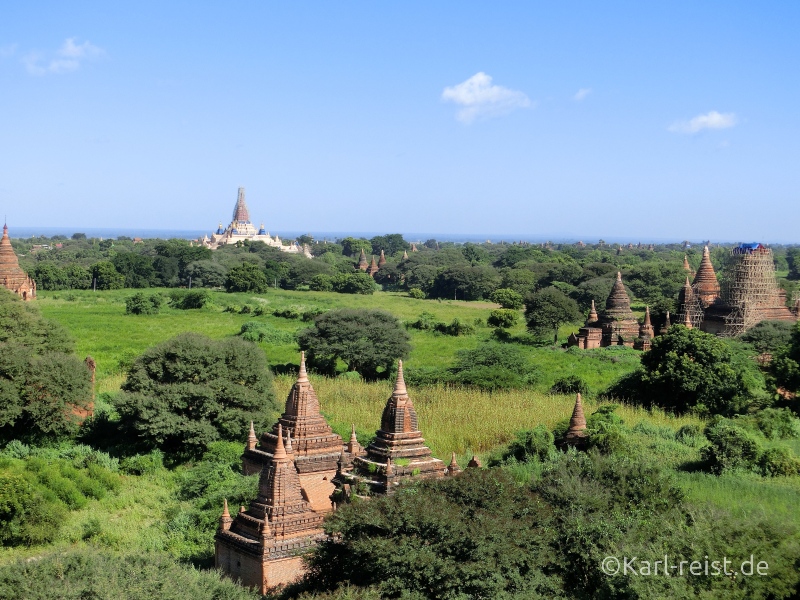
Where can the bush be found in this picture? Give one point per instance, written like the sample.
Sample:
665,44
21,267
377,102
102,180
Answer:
690,435
321,283
536,444
507,298
255,331
416,293
778,462
143,464
456,327
312,314
778,423
731,448
287,313
141,304
189,300
502,317
425,322
571,384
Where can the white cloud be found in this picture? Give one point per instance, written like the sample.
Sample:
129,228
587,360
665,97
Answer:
66,59
710,120
481,99
581,94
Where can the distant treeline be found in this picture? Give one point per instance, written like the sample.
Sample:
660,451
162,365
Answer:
436,270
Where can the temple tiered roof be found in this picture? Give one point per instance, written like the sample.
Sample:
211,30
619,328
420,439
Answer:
705,284
12,277
618,304
381,260
373,267
576,433
362,261
398,449
646,328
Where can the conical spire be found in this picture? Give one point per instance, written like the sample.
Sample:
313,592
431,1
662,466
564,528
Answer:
453,467
302,375
353,447
388,469
289,441
252,440
362,261
240,212
618,303
577,424
373,267
225,520
400,382
646,329
382,259
399,415
474,463
593,318
280,452
705,282
686,266
405,254
687,321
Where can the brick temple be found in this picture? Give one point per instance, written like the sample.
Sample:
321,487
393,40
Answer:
12,276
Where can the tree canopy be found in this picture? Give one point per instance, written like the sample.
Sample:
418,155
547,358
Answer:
191,390
367,341
549,308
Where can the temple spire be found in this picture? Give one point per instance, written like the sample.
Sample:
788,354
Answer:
400,382
577,422
289,441
353,447
252,440
382,259
302,375
453,468
593,318
280,452
225,520
686,266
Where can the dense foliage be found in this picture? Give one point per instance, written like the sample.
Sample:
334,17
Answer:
190,391
687,369
367,341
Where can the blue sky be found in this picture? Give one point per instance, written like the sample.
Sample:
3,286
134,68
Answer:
624,120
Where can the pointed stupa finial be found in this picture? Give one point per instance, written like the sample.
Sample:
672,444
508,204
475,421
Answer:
619,276
225,519
593,318
353,446
389,469
687,322
302,375
241,509
252,440
646,316
400,382
686,265
280,451
264,534
474,463
405,254
578,421
453,467
288,448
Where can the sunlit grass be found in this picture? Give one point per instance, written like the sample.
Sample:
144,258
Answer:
460,420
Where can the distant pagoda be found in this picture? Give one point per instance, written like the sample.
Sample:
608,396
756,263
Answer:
12,276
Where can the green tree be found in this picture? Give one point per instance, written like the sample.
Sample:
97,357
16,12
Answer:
353,246
507,298
106,277
390,244
39,394
503,318
137,269
22,325
246,277
367,341
191,390
689,370
793,260
465,283
549,308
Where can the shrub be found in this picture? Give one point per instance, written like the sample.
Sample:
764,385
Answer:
456,327
537,443
731,448
287,313
690,435
255,331
507,298
321,283
416,293
189,300
502,317
425,322
143,464
777,462
312,314
141,304
571,384
778,423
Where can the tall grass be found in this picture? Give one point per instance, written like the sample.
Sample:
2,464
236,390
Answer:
455,419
